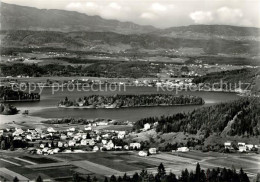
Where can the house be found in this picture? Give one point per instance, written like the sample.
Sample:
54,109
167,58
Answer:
126,147
39,152
249,146
110,145
60,144
63,137
183,149
88,128
105,135
56,150
45,149
152,150
83,142
118,147
71,129
147,126
70,134
104,142
121,135
18,132
51,130
31,130
135,145
95,148
228,145
143,153
102,123
72,143
29,137
42,146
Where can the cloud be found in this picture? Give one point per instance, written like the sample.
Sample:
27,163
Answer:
74,6
223,15
148,15
157,7
115,6
228,15
166,14
201,17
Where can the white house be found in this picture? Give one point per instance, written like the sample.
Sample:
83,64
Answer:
56,150
183,149
60,144
88,128
51,130
42,146
72,143
71,129
126,147
249,146
147,126
63,137
102,123
121,134
118,147
18,131
39,152
152,150
45,149
96,148
135,145
228,145
143,153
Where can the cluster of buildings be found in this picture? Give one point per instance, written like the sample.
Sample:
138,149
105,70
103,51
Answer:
51,141
240,146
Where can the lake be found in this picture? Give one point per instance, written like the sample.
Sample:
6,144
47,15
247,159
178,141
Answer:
47,107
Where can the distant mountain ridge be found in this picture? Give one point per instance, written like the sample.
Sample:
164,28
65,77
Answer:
14,17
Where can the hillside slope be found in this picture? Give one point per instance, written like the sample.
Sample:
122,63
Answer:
14,17
103,41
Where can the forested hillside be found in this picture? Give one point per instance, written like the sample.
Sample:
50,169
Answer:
88,40
213,119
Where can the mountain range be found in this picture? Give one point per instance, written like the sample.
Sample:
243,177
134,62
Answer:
31,27
15,17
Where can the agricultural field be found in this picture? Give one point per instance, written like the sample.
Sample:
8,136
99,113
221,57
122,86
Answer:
62,166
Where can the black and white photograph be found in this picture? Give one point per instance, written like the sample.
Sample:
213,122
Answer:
130,91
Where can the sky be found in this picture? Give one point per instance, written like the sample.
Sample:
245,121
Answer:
161,13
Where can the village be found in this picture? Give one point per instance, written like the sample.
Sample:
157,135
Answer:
89,138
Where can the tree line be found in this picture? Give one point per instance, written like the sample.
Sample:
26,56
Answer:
6,94
199,175
118,101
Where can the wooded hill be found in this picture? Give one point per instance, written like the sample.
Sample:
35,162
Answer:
240,117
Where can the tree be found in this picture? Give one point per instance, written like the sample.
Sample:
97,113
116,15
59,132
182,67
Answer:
106,180
119,179
3,145
136,177
257,177
113,178
88,179
16,179
75,177
161,170
94,179
39,179
185,175
171,178
198,171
